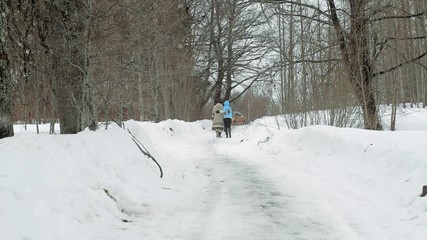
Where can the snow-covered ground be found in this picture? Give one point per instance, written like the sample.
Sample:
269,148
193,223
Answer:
313,183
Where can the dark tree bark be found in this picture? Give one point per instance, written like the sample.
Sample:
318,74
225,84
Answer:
67,40
6,123
354,49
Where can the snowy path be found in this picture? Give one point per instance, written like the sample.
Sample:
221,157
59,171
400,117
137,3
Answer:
243,202
222,192
246,199
238,200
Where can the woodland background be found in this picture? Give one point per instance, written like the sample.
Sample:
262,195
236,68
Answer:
82,62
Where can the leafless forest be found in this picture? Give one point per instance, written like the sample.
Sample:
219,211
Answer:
82,62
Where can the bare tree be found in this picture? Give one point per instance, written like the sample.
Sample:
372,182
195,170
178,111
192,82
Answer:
230,45
67,43
80,61
6,123
18,30
352,22
355,54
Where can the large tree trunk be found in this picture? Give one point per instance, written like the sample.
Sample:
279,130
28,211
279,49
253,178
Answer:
218,50
356,59
6,123
67,42
89,115
361,65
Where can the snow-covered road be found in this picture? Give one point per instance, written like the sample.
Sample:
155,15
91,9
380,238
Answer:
234,197
242,200
248,196
241,203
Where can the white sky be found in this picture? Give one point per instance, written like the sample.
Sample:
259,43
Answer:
317,182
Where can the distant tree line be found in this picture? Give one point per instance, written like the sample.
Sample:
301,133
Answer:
81,62
338,55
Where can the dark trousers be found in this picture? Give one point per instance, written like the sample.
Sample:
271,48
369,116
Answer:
227,127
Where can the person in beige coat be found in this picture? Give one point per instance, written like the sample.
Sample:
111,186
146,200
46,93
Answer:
217,122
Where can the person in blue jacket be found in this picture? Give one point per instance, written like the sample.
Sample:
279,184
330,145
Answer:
227,115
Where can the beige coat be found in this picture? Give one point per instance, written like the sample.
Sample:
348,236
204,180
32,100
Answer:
217,122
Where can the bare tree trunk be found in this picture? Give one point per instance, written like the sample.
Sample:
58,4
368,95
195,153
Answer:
421,30
67,40
218,49
394,96
6,123
282,49
291,68
231,15
305,107
355,56
89,113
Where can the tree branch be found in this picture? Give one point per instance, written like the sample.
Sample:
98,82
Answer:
407,38
339,30
308,17
145,151
397,17
399,65
320,11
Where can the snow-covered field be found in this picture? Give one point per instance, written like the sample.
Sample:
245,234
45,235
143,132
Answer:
313,183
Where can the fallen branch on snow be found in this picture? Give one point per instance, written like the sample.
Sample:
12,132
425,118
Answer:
145,151
424,193
115,201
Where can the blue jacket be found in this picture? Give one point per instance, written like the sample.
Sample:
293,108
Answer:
228,112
